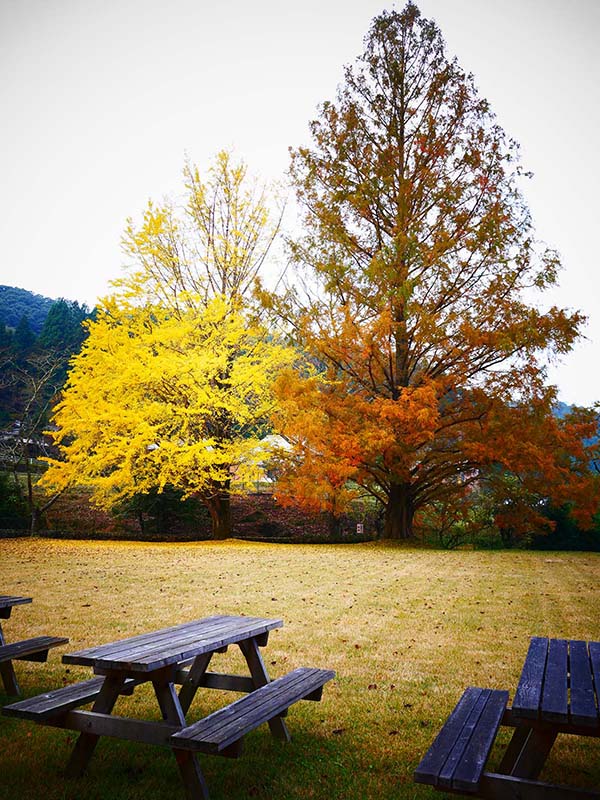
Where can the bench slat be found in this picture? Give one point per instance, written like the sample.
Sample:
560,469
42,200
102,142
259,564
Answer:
216,732
529,691
470,769
583,703
27,647
555,704
59,701
594,648
263,704
433,761
13,600
457,757
462,740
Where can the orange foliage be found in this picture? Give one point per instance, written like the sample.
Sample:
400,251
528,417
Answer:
420,262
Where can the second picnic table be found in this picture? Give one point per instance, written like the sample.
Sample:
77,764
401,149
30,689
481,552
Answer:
34,649
558,693
170,657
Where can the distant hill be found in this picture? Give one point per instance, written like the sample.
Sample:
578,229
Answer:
562,409
14,303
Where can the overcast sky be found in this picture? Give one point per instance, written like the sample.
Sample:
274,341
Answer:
101,102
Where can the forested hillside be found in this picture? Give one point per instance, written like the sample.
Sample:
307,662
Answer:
18,303
38,336
34,359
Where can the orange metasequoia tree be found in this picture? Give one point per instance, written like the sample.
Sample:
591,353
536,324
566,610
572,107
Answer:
417,293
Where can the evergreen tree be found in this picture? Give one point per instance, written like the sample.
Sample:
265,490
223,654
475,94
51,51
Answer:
24,337
6,336
63,329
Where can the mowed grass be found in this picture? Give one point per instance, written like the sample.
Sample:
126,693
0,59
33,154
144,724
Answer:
405,629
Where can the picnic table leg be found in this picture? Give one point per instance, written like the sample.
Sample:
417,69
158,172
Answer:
9,679
260,677
86,743
527,752
190,686
172,711
513,750
7,671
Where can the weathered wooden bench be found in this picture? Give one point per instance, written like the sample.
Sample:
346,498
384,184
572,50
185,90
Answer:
35,649
222,732
456,760
59,701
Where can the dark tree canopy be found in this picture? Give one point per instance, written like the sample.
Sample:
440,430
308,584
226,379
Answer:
15,302
24,337
63,327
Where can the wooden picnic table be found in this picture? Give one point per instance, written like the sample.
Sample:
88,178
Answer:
7,602
34,649
558,693
170,657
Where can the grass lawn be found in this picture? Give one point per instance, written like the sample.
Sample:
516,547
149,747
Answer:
405,629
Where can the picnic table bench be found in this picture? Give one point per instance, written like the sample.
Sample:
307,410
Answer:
558,692
34,649
176,656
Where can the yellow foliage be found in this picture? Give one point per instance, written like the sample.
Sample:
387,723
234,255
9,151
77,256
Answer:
213,243
174,384
156,398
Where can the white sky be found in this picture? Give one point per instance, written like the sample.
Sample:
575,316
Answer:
100,102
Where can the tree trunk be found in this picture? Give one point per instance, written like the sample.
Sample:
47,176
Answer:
33,509
161,517
333,525
219,507
36,512
399,512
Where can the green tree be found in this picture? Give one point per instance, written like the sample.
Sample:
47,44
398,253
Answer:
13,512
24,337
5,336
31,383
32,372
63,327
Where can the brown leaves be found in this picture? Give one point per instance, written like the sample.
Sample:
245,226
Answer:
421,259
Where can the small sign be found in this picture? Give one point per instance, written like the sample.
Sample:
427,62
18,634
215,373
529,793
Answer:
360,528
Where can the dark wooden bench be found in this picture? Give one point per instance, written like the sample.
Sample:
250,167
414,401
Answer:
456,760
59,701
35,649
222,732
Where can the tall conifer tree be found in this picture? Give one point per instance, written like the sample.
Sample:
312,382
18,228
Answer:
420,262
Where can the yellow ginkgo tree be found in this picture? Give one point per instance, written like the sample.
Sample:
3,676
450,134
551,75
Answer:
174,383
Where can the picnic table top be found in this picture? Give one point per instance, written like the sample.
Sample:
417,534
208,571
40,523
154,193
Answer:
8,600
174,645
560,683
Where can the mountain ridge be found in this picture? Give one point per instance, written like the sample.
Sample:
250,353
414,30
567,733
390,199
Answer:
15,303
